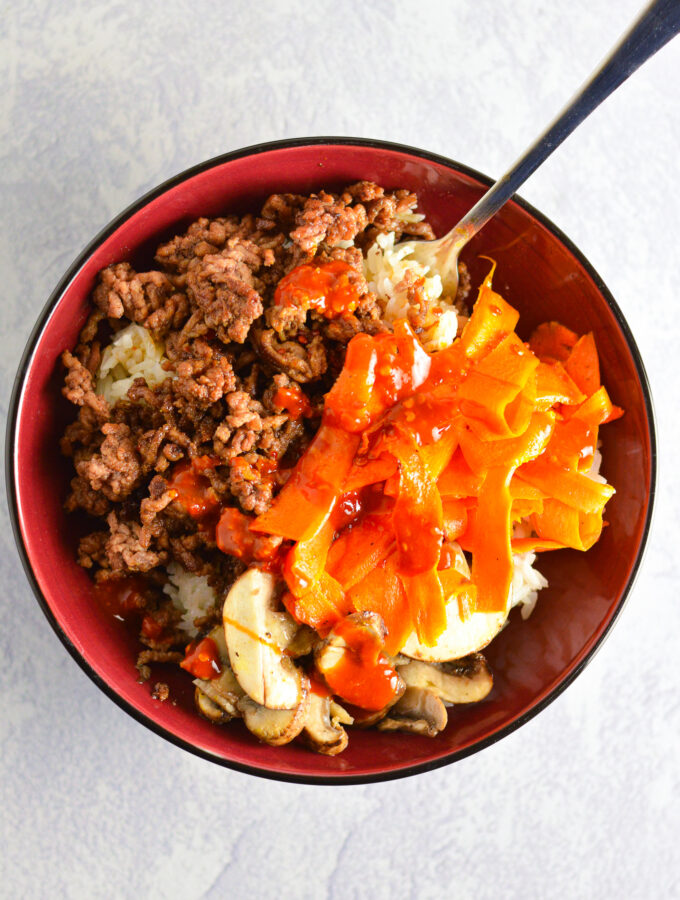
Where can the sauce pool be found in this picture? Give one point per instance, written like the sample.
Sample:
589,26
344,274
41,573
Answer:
363,676
325,286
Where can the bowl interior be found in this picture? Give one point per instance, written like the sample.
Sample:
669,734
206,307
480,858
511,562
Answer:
537,273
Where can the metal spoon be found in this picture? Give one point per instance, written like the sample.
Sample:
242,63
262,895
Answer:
656,25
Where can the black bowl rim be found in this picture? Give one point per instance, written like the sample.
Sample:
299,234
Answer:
17,391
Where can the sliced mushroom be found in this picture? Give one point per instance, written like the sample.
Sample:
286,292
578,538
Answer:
322,731
281,628
251,625
209,709
223,692
302,642
275,726
339,715
217,635
465,680
367,719
418,711
459,638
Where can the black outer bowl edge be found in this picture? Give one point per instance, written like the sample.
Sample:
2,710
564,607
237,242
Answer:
15,402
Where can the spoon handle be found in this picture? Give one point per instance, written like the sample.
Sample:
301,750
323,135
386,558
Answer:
656,25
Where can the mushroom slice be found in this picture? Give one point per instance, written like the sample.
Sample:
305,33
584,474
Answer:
275,726
322,731
260,665
217,635
365,719
302,642
459,638
339,715
466,680
418,711
209,709
281,628
223,692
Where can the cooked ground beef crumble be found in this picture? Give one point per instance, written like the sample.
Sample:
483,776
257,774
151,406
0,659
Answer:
229,350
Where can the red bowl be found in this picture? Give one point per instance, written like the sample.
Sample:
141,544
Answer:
540,272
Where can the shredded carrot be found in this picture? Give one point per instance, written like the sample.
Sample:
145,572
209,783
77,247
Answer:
583,364
360,549
314,487
421,457
458,479
492,319
555,385
552,341
491,554
381,591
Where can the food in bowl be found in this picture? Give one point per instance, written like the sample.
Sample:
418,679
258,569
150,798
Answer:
320,483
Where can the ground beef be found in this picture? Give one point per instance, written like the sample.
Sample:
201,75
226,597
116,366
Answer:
229,350
390,210
204,372
161,691
221,286
329,219
128,548
202,238
147,298
115,470
282,209
155,656
84,496
303,359
151,506
79,387
92,548
160,447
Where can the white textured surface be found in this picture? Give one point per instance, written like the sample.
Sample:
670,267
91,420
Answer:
101,101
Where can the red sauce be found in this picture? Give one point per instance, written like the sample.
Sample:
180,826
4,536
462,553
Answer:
193,490
262,470
151,628
122,596
203,463
233,536
347,510
252,634
293,400
202,659
327,287
379,371
363,676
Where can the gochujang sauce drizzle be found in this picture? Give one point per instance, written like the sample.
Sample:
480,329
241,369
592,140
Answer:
363,675
327,286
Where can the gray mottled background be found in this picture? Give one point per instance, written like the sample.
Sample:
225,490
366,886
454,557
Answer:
101,101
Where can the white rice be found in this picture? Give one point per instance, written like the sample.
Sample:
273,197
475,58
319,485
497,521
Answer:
191,594
526,583
385,267
132,353
594,471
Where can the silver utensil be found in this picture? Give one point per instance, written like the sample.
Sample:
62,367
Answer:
656,25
